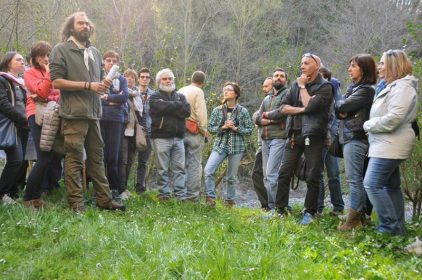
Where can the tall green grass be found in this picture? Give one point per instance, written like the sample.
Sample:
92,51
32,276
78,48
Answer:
175,240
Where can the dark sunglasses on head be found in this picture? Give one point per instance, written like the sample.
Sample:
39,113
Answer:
391,52
311,56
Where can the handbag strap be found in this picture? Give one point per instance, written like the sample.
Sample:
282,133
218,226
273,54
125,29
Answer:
12,94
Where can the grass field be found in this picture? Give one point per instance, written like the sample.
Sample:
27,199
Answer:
175,240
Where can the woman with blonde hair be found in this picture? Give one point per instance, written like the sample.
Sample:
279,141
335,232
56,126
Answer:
391,139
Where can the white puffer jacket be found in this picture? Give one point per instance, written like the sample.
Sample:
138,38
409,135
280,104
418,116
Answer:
50,126
389,126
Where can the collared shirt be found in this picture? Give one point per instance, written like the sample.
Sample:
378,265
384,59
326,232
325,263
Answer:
229,141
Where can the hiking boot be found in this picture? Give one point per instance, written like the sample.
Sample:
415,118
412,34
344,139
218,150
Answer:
34,204
163,198
308,218
365,219
354,220
113,205
229,203
210,201
140,189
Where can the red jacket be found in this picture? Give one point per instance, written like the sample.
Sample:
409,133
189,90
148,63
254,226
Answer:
38,82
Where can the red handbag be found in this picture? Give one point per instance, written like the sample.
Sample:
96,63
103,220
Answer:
192,126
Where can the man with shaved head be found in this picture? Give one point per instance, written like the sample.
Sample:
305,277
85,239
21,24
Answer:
308,106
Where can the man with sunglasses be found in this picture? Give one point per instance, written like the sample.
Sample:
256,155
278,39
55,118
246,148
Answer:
308,107
169,109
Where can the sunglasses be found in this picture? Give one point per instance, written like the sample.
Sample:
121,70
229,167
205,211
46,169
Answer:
311,56
391,52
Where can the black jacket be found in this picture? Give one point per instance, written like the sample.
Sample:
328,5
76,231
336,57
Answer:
7,110
168,114
314,121
357,104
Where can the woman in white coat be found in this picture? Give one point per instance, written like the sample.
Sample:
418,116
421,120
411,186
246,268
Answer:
391,139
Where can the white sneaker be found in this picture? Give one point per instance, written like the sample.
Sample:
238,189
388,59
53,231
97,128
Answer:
415,247
7,200
125,195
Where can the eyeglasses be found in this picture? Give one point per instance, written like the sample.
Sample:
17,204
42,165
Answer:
167,78
311,56
144,77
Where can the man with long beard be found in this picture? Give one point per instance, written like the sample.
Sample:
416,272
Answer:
76,69
168,112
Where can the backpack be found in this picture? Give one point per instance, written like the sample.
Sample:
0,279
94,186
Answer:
300,172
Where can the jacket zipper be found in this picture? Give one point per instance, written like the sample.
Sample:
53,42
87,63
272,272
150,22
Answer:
161,123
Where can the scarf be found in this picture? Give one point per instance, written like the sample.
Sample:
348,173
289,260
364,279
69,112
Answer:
87,51
17,81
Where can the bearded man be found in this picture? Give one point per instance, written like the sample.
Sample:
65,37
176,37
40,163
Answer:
273,134
169,109
76,69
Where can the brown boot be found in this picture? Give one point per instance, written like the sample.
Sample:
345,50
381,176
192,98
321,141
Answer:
354,220
210,201
34,204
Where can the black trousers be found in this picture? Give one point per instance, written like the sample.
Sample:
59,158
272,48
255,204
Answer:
291,155
112,135
46,170
258,179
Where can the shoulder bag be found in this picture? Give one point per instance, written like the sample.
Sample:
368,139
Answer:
8,131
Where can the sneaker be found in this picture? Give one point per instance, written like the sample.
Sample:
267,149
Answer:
307,219
125,195
7,200
34,204
210,201
115,195
415,247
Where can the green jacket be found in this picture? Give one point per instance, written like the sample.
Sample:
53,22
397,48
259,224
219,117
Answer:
276,130
67,62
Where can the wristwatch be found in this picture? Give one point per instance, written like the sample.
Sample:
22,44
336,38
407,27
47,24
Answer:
302,87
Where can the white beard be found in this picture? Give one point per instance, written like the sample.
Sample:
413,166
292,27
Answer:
167,89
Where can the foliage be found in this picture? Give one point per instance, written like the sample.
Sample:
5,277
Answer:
412,177
239,40
154,240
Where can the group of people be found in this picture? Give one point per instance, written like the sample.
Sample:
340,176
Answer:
101,115
374,124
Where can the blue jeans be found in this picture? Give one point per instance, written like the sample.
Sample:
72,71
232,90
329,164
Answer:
211,167
354,163
272,153
170,156
333,174
382,183
193,158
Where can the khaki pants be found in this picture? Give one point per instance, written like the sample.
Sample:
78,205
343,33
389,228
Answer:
77,135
